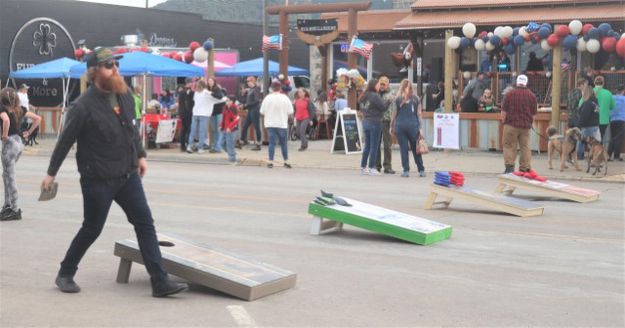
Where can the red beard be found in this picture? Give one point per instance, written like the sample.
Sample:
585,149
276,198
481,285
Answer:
115,84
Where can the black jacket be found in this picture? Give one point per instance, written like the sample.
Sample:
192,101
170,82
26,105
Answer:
589,113
185,104
108,144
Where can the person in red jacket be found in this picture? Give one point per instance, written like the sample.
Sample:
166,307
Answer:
230,126
304,114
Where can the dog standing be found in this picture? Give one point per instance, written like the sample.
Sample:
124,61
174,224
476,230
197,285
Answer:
565,146
597,155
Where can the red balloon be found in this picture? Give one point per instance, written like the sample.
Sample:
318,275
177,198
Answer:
482,34
563,31
608,44
620,48
188,57
178,57
194,45
553,40
78,53
586,28
121,50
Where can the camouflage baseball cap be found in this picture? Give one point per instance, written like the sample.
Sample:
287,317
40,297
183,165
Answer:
101,55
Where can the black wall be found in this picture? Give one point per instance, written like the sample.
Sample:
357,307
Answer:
103,25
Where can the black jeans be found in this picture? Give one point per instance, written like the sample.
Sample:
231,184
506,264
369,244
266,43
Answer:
184,132
253,117
98,195
617,130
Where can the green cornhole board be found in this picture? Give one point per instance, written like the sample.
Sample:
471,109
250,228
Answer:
223,271
378,219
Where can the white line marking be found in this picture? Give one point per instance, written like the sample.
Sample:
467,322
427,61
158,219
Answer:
240,315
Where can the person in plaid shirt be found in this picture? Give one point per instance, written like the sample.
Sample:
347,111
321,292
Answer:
517,114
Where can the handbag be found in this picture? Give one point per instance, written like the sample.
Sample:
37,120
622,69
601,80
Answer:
422,146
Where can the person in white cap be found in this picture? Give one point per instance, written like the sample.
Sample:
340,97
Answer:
517,114
22,93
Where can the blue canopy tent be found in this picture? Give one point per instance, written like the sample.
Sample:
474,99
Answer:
142,63
54,69
254,67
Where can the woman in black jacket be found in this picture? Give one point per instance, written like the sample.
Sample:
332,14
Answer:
373,108
588,119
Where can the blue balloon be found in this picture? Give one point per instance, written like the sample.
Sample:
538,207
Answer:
465,42
515,31
569,42
547,26
485,38
495,40
604,28
614,34
594,33
544,32
208,45
518,40
586,37
509,49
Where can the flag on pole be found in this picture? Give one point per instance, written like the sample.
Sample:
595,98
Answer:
272,42
360,47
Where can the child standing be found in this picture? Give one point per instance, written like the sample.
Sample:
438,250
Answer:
230,126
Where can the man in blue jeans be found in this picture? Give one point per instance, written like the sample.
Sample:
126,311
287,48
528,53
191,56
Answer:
276,108
111,161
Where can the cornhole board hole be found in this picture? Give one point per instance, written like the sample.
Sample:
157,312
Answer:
223,271
509,182
378,219
511,205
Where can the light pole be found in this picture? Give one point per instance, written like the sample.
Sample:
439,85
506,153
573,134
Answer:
265,53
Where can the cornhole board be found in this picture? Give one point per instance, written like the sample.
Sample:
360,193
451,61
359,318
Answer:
378,219
509,182
511,205
223,271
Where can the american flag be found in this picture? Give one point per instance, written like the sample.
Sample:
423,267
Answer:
360,47
272,42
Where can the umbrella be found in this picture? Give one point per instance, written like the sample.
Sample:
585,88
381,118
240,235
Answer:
254,67
142,63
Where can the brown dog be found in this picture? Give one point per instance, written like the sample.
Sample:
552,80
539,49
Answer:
597,155
564,146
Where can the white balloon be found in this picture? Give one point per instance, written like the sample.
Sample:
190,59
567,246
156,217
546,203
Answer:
499,31
508,31
466,75
593,46
490,34
575,27
469,30
453,42
490,46
523,32
548,74
479,45
622,36
581,45
200,55
545,45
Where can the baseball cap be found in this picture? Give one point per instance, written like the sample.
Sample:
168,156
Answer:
521,80
101,55
24,86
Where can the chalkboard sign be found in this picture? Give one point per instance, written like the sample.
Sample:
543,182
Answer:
346,133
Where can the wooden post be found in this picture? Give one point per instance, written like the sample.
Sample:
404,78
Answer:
210,67
449,73
556,85
284,54
352,25
417,45
323,50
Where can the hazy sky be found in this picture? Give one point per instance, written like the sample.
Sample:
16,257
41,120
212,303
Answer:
132,3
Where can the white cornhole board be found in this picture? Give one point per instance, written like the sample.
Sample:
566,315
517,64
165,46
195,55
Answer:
511,205
223,271
509,182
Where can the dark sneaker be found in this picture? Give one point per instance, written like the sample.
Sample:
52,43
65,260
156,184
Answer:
288,166
168,287
66,284
509,169
389,171
256,148
270,166
4,209
10,215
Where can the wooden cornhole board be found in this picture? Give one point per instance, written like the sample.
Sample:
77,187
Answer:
509,182
223,271
511,205
378,219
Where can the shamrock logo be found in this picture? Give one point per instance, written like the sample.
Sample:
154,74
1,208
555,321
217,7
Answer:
44,39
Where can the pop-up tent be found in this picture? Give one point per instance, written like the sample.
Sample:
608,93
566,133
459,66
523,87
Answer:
55,69
142,63
254,67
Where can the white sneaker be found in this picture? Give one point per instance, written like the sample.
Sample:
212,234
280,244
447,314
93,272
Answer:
200,151
364,171
374,172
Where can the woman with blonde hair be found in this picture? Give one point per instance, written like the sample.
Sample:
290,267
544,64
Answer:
11,114
406,125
